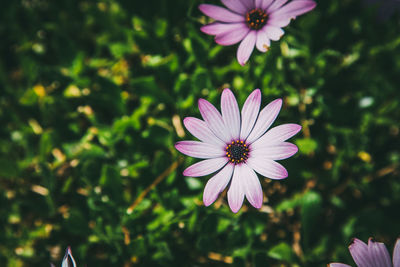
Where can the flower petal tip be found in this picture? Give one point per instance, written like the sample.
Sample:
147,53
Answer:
186,173
295,149
297,128
204,30
202,7
354,242
207,202
186,120
201,101
236,210
283,174
178,146
258,206
313,5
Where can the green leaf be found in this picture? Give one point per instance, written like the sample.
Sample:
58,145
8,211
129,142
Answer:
306,145
282,252
311,208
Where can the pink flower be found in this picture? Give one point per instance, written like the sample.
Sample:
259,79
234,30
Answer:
68,260
252,22
374,254
235,144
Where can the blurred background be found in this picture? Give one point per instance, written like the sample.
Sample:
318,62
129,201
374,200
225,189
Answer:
92,97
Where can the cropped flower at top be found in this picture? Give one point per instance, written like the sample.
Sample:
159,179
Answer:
252,22
68,260
373,254
235,144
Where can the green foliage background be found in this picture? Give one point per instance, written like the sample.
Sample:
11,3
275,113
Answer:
93,94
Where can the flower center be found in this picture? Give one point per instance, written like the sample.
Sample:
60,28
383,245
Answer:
256,18
237,151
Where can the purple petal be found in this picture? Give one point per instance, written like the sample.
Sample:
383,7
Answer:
217,184
220,13
214,120
338,265
205,167
279,22
68,259
294,9
379,254
262,42
236,192
246,47
265,4
252,186
282,17
234,36
396,254
258,3
218,28
277,135
235,5
249,4
265,119
275,5
199,149
267,168
272,32
200,130
359,252
275,152
230,113
250,112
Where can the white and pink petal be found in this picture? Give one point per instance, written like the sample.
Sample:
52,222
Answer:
200,150
217,184
246,47
278,151
263,43
252,186
266,117
230,113
214,120
220,14
236,6
232,37
294,9
281,17
200,130
68,259
278,134
379,254
236,190
272,32
205,167
250,111
249,4
218,28
267,167
396,254
359,251
275,5
263,4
